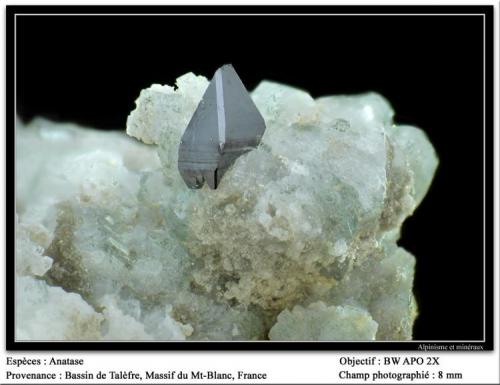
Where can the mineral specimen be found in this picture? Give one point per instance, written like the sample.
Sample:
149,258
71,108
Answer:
225,125
298,242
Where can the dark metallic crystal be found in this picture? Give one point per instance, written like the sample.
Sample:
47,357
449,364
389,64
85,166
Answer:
225,125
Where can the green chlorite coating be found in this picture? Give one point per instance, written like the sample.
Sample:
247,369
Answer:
298,241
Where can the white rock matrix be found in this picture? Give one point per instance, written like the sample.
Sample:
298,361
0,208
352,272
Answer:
297,243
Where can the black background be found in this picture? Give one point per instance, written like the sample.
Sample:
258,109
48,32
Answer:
90,70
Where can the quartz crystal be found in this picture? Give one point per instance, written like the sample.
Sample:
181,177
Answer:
298,242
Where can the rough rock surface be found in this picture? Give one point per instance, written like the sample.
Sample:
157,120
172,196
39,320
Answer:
297,243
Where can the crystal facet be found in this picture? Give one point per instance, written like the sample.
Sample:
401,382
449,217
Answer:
225,125
299,241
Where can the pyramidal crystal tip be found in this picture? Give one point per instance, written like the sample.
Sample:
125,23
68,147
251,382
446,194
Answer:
225,125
